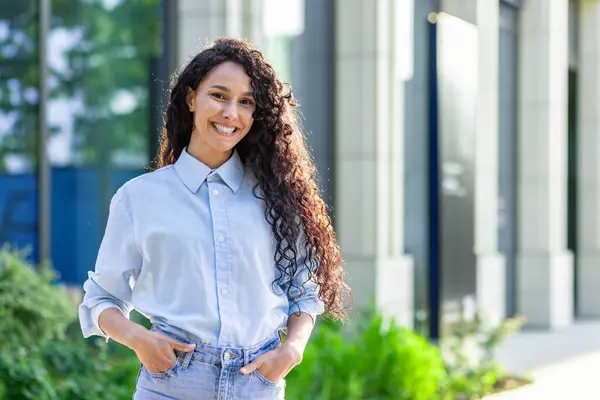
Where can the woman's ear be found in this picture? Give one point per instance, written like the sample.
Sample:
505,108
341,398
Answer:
190,99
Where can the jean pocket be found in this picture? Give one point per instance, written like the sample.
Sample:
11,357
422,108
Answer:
162,375
264,380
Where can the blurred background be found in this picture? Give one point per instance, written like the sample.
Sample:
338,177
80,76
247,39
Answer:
457,143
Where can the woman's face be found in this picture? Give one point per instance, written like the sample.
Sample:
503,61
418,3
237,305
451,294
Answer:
223,107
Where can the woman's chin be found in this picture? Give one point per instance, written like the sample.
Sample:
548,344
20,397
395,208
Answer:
224,146
223,141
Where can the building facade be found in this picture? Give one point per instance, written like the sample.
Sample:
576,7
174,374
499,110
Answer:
456,140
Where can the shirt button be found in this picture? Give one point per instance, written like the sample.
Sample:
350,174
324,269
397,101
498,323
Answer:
220,239
224,292
215,192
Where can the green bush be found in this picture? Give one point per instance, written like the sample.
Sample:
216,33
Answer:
469,355
32,309
43,355
370,362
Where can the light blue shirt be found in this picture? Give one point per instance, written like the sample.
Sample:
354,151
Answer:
191,249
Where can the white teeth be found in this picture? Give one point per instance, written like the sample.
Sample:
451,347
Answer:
224,129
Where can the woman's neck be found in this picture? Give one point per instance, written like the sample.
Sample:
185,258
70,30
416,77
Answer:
208,156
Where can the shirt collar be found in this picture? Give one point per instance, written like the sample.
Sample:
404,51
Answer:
193,172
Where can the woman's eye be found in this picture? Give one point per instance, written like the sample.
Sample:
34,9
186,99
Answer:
217,96
246,102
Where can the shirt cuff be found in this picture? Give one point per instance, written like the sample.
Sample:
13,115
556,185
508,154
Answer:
89,318
309,307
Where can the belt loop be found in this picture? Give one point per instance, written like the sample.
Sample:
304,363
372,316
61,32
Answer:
246,355
185,359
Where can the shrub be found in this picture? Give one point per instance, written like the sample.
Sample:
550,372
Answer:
371,362
469,355
32,309
90,369
43,355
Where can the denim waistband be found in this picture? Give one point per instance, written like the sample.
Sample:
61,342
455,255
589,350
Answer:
220,355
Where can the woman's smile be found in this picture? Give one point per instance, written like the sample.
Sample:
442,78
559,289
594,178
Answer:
224,130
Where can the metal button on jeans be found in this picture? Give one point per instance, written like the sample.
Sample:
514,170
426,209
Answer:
226,356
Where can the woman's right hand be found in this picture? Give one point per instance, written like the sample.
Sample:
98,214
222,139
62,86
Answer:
157,351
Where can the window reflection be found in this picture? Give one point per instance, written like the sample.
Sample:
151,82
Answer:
19,113
101,57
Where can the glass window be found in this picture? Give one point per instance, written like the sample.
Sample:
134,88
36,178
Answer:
416,177
19,121
507,145
103,57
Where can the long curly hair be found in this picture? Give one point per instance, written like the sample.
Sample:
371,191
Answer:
274,150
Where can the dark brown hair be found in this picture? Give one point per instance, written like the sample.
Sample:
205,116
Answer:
274,150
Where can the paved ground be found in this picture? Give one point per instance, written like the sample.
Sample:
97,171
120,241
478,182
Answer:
564,364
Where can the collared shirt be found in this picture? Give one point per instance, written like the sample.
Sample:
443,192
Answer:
190,248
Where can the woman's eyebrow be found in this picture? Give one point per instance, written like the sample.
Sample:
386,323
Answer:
226,89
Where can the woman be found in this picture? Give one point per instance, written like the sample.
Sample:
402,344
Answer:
226,245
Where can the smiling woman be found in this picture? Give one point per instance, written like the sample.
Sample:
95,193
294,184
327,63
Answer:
235,183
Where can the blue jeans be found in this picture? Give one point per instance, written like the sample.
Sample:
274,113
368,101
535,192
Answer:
211,373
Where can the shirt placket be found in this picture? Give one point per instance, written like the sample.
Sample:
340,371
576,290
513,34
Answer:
221,239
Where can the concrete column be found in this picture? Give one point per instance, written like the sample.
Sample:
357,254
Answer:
545,266
253,22
491,266
200,22
369,158
234,18
588,123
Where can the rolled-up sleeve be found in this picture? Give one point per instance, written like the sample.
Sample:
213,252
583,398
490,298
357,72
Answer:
117,267
303,293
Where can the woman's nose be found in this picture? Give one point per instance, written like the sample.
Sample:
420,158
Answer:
230,111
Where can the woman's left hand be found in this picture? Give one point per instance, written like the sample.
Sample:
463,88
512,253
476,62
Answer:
274,365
